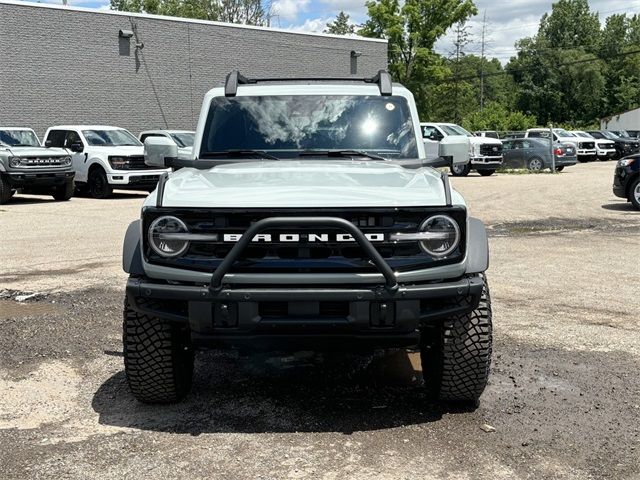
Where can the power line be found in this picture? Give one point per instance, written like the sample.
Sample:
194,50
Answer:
524,69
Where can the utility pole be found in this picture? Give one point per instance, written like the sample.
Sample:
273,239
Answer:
484,25
553,150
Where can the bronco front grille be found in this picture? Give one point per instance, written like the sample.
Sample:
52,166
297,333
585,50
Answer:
324,254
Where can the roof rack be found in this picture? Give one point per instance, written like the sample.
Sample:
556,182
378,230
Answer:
235,78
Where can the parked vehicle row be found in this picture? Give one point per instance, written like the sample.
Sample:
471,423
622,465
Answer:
92,159
485,152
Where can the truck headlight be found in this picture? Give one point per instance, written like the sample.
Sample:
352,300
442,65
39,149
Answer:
15,162
165,236
119,163
442,235
65,161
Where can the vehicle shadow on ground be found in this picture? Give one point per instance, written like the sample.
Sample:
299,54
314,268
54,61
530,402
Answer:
619,207
28,200
116,195
260,394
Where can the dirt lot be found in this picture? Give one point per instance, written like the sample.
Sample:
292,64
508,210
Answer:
564,396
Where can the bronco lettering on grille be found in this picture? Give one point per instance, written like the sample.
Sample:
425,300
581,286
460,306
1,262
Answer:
306,238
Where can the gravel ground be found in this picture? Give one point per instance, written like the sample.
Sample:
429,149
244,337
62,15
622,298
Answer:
564,395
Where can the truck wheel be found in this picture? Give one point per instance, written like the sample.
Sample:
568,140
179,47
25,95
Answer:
634,193
158,358
460,170
5,190
456,355
64,192
98,184
486,173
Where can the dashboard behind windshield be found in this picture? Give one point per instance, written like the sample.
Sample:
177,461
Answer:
286,125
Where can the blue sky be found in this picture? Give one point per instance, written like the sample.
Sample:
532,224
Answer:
506,21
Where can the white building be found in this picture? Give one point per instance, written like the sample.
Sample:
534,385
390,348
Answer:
623,121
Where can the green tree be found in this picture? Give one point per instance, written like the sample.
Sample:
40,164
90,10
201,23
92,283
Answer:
341,25
250,12
496,116
412,29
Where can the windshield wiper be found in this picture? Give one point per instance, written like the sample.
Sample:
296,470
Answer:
340,153
240,153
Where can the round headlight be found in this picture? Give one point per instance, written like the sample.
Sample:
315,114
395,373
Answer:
66,160
444,238
162,230
15,161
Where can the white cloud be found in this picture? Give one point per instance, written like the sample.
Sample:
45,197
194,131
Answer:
313,25
290,9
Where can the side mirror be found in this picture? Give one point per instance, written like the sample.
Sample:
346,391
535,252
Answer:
76,147
435,136
159,150
48,143
456,148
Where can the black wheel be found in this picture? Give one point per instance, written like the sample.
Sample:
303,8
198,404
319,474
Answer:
456,356
559,169
64,192
460,170
486,173
158,358
5,190
634,193
98,184
535,164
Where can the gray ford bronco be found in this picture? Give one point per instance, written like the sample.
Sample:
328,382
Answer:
306,218
27,166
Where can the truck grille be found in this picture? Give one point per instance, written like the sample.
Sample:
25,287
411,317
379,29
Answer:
587,145
31,162
488,150
330,256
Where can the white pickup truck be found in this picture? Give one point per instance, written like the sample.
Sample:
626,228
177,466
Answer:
105,158
485,152
605,149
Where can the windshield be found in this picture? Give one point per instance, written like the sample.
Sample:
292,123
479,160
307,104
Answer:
455,130
562,133
19,138
110,138
183,139
610,135
286,125
583,134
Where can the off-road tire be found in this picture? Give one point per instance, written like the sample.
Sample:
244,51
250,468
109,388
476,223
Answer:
486,173
158,357
64,192
456,355
633,198
460,171
5,190
98,184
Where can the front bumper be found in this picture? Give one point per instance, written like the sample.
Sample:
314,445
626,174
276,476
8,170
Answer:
39,179
136,179
565,161
607,154
486,163
297,318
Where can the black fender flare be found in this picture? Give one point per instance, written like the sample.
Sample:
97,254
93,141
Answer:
132,250
477,247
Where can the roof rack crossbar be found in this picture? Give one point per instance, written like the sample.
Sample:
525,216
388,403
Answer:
235,78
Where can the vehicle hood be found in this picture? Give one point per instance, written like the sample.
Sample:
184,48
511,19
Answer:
34,151
127,151
484,141
305,184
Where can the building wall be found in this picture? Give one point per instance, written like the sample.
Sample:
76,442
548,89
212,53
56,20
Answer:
625,121
64,65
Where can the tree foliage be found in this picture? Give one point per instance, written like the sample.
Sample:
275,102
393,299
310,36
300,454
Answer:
341,25
250,12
